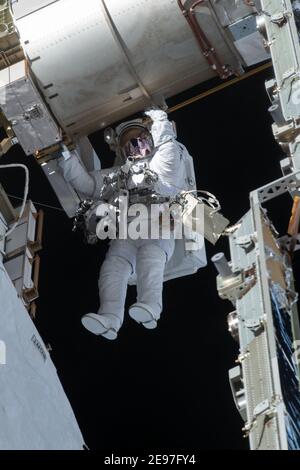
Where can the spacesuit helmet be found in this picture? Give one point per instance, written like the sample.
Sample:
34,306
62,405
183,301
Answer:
136,141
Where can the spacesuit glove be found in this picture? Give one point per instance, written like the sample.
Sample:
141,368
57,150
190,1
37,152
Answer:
156,114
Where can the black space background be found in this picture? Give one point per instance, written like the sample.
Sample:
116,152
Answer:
168,388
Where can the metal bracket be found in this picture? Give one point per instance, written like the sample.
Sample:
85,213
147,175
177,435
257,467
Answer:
6,144
280,18
287,241
242,356
262,407
285,133
236,286
286,166
257,326
247,242
276,188
233,325
267,407
289,73
238,390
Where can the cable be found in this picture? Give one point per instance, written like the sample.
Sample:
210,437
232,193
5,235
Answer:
211,201
26,189
38,203
220,87
212,198
264,424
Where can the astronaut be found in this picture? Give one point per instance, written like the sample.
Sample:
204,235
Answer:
146,258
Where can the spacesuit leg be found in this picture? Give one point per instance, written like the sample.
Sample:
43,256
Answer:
150,267
113,280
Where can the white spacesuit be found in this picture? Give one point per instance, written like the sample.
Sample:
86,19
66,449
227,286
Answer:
146,258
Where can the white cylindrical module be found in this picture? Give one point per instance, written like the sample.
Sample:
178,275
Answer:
97,62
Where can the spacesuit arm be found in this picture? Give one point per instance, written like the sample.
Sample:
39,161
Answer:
78,177
162,129
166,162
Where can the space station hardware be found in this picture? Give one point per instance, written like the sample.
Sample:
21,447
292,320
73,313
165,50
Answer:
34,411
153,52
259,278
276,23
24,108
20,240
222,265
153,55
259,283
20,257
214,223
7,211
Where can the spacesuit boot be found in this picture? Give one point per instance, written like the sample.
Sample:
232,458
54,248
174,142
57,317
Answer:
101,324
114,275
150,266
